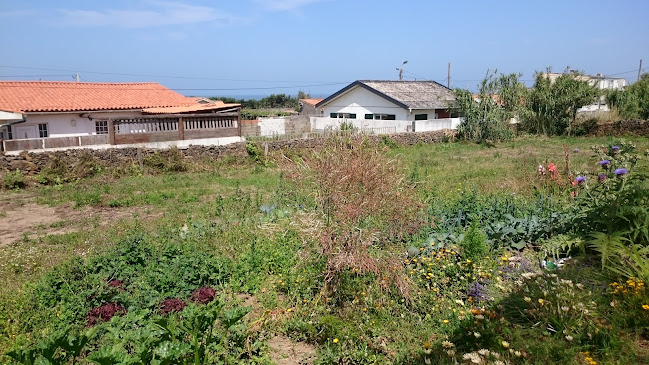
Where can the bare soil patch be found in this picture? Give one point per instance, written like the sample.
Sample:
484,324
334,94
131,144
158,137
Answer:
22,216
283,351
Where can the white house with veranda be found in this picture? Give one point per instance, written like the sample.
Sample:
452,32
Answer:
401,105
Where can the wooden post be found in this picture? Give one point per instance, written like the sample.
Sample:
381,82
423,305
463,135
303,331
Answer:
181,129
111,132
139,159
238,119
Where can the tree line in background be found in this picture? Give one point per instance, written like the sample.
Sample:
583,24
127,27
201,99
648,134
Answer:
273,101
548,108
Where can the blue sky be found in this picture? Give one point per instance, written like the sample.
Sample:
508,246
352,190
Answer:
258,47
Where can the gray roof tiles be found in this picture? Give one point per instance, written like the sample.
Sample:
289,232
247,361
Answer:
414,94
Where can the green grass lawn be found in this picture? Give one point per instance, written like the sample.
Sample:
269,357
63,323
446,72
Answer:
246,229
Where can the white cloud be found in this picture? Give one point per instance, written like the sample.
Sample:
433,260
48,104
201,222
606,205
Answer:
286,5
158,14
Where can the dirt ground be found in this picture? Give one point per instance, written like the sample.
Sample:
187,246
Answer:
20,215
283,351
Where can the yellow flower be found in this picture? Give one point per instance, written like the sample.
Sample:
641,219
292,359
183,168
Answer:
541,301
645,307
445,321
335,340
505,344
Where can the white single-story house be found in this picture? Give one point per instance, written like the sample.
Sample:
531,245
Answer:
369,104
54,111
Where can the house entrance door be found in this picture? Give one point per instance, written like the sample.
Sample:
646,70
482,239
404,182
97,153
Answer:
25,132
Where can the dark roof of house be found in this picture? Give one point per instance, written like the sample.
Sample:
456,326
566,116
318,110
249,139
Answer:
406,94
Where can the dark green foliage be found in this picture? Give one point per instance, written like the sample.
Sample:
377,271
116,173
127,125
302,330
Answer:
13,180
474,244
633,102
552,105
500,98
138,276
506,221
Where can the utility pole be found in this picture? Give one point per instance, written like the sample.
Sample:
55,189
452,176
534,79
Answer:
639,70
77,78
400,69
448,78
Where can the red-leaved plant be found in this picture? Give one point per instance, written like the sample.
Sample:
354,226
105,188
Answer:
203,295
104,313
172,305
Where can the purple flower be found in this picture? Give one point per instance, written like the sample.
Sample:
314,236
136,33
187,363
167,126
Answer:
581,179
601,177
620,172
615,148
576,150
478,292
605,163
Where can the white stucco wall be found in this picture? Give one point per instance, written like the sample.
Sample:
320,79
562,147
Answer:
64,124
360,102
272,126
436,124
319,124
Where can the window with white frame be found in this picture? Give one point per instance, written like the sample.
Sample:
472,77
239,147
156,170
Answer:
42,130
101,127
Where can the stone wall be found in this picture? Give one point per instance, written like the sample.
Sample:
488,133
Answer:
620,128
32,163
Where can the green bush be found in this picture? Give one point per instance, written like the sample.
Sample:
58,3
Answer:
13,180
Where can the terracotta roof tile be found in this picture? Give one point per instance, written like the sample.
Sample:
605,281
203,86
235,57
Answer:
54,96
311,101
217,105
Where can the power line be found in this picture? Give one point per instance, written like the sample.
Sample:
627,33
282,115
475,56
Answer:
145,75
121,87
33,75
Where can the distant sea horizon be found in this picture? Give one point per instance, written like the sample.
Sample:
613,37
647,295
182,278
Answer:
250,96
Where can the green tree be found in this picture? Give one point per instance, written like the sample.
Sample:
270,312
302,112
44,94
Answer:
500,98
552,105
632,103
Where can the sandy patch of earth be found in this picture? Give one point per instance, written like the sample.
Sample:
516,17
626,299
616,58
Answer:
21,216
283,351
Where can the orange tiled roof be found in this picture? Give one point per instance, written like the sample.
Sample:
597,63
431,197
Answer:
217,105
311,101
59,96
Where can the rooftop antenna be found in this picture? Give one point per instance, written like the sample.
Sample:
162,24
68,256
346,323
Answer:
76,78
400,69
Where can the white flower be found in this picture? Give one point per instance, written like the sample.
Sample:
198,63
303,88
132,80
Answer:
568,338
565,309
476,334
483,352
448,344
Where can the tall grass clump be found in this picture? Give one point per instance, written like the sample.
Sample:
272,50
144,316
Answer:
368,210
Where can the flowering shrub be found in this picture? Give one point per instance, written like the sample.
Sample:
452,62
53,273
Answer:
614,196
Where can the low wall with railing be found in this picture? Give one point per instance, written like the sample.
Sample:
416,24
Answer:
53,142
162,128
322,123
